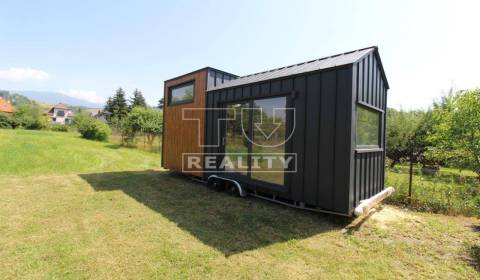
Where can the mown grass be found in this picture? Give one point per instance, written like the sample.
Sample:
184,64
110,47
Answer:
31,152
80,223
450,192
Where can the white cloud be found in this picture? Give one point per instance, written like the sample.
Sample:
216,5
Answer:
21,74
88,95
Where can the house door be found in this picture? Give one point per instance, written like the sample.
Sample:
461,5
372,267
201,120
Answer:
254,139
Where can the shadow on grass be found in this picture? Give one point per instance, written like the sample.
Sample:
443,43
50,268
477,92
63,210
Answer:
113,146
229,224
474,254
474,250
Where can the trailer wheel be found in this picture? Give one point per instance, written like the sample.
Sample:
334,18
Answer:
216,184
232,189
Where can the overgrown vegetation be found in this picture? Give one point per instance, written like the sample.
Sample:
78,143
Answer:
455,133
141,121
447,136
448,192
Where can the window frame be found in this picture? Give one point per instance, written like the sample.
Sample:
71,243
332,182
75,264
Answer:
290,96
380,113
171,88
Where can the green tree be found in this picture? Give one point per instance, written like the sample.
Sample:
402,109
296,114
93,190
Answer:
119,107
138,100
145,121
405,135
30,116
456,130
109,105
160,104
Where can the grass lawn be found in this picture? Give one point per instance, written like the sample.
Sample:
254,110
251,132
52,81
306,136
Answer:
27,152
111,213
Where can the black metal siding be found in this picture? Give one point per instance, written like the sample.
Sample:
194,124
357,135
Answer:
321,139
331,173
369,166
216,77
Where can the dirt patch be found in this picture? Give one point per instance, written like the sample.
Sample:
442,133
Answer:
387,215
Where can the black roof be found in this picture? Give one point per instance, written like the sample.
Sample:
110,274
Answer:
304,67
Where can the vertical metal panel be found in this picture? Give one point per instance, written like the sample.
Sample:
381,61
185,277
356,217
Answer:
276,86
327,139
255,91
370,82
358,169
247,92
312,139
287,85
342,140
352,133
360,81
374,83
365,79
230,95
265,88
379,92
299,137
238,94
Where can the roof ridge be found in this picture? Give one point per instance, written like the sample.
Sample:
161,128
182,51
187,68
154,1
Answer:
308,61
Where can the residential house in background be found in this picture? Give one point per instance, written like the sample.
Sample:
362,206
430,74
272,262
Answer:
6,107
99,114
60,114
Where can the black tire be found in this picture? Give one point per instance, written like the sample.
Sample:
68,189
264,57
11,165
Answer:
216,184
232,189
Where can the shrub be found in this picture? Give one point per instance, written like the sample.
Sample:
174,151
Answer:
91,128
7,121
141,121
59,127
30,116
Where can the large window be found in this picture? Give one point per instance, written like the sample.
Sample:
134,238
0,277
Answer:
368,128
259,126
236,144
269,118
181,94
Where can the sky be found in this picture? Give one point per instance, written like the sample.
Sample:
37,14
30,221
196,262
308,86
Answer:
88,49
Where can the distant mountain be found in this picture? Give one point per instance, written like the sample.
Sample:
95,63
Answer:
15,99
51,97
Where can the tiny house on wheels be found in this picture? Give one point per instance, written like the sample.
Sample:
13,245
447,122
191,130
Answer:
309,135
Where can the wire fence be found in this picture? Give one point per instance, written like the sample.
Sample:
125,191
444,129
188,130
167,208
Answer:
430,186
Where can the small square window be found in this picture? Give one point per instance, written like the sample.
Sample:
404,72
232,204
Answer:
368,128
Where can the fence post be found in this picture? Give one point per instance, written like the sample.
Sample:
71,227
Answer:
411,177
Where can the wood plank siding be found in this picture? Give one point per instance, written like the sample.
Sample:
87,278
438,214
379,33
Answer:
182,136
